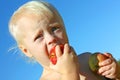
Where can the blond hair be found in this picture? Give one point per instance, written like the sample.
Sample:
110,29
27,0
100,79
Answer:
35,7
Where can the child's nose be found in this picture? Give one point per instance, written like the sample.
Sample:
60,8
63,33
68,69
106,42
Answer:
50,39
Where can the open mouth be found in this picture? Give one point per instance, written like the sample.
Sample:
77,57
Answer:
52,55
53,58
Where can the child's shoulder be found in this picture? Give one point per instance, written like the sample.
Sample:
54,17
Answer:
84,55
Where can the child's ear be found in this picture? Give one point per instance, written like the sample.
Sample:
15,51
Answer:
25,51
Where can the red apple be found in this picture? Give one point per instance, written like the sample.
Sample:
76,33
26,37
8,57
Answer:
52,55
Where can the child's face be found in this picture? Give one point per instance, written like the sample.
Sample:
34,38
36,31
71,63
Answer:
41,33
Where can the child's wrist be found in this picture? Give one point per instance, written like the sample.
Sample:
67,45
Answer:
118,74
70,72
70,76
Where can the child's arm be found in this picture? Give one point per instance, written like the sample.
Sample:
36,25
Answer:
110,68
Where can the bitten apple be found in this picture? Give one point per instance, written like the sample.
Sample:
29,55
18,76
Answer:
52,55
101,57
94,60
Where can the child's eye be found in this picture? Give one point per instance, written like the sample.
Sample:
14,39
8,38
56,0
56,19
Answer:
39,36
54,29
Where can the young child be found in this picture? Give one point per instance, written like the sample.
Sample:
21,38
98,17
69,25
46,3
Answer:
37,28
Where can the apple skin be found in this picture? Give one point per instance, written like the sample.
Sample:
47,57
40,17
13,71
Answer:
101,57
52,55
94,60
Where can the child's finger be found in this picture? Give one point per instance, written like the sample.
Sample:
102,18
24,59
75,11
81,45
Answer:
66,48
105,62
104,69
58,51
108,55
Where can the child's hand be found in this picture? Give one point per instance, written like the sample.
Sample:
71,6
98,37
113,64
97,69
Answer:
66,62
109,67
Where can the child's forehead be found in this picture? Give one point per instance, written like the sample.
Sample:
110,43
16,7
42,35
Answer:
37,21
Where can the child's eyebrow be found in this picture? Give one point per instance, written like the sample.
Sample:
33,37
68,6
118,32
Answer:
54,24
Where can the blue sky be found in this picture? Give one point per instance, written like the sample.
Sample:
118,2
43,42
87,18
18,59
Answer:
92,25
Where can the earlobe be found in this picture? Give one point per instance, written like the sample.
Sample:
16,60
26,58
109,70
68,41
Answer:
25,51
